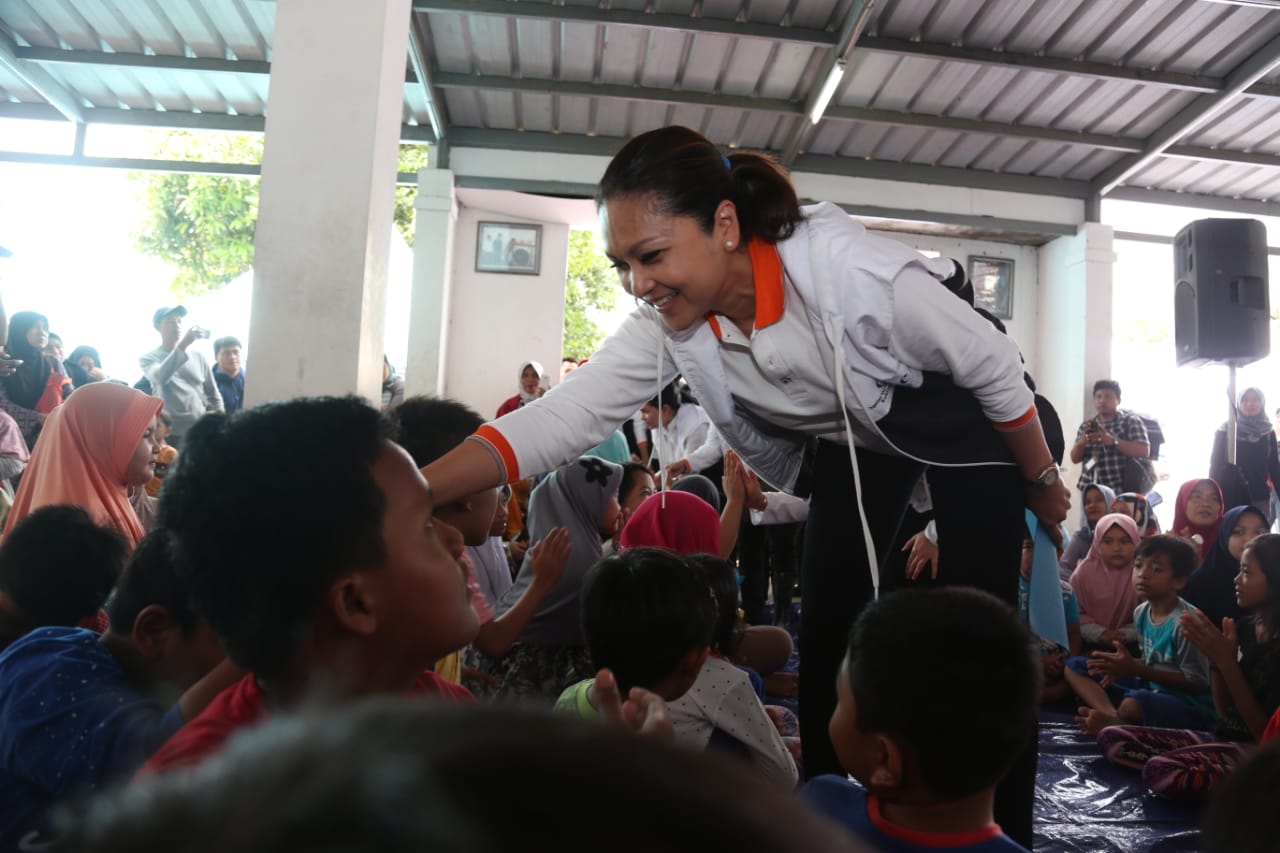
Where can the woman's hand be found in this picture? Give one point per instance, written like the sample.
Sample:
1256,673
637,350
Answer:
1050,504
923,553
676,470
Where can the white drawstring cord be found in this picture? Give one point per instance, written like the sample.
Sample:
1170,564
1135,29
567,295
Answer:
662,463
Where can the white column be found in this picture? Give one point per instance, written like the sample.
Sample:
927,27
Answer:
1073,347
435,222
327,196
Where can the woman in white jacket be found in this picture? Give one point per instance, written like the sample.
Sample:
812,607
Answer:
824,356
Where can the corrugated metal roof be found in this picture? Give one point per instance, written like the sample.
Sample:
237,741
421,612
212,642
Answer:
1071,90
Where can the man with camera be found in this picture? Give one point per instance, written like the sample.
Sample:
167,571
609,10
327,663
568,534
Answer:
180,376
1111,444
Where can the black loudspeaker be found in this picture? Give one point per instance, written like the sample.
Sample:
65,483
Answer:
1221,306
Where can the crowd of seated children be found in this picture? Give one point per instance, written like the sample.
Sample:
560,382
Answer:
1096,501
1184,763
1103,583
1211,587
1053,654
81,710
338,582
1168,686
93,449
427,428
400,778
920,785
550,654
56,569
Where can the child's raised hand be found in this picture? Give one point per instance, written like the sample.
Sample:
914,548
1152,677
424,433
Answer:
548,557
1113,665
735,487
923,553
644,711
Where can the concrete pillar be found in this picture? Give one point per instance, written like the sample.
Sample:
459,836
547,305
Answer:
435,223
328,191
1073,347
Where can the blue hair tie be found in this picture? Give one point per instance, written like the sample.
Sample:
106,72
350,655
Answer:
727,164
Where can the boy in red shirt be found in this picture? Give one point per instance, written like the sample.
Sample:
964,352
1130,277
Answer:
311,548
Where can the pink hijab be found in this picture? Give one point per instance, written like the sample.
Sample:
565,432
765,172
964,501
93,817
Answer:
687,525
1106,595
83,454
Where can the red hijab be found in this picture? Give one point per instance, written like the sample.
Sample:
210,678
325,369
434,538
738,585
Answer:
1208,532
83,454
687,525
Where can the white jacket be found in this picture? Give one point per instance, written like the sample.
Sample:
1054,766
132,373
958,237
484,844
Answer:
847,280
685,434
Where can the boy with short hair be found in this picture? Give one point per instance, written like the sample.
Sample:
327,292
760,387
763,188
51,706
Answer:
79,710
57,567
922,785
1169,686
329,580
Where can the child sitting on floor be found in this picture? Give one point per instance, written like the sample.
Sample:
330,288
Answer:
328,582
57,568
1187,764
648,620
922,785
79,710
1169,685
1103,583
429,427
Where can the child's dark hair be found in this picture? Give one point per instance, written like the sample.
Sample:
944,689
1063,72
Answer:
1182,557
642,612
631,478
429,427
58,567
1107,385
688,176
718,575
1242,817
920,632
259,552
670,397
151,578
1266,550
404,777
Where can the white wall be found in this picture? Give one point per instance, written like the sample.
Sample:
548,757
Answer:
497,322
1026,280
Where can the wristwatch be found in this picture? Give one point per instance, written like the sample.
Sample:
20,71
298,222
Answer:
1046,478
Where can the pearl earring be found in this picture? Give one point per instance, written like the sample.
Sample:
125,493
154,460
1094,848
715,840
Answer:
728,244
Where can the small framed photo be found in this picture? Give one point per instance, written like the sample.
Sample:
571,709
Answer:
992,285
509,247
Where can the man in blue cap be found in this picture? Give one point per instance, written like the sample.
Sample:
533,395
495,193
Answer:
180,376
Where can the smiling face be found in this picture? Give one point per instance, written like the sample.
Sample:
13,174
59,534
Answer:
668,261
1204,505
142,465
1250,404
1116,548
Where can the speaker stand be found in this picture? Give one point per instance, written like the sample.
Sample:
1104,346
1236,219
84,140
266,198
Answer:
1231,413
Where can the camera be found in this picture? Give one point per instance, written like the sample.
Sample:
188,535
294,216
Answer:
202,333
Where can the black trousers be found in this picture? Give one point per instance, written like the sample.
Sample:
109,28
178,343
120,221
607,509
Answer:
981,524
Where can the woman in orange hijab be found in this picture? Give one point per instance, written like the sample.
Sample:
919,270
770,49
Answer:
93,448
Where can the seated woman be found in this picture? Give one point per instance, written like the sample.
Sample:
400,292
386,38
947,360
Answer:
1197,514
93,449
38,385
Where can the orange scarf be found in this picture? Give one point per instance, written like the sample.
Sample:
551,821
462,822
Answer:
83,453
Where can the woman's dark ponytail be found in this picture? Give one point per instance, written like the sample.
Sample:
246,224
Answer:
688,176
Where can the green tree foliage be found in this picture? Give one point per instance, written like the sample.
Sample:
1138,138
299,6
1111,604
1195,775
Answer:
591,283
203,224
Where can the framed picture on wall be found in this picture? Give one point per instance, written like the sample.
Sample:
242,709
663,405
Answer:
509,247
992,285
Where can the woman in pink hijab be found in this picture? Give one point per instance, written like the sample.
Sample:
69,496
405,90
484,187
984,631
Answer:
1103,582
92,450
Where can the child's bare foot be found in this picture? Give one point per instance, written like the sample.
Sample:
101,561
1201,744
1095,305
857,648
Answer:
1091,720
